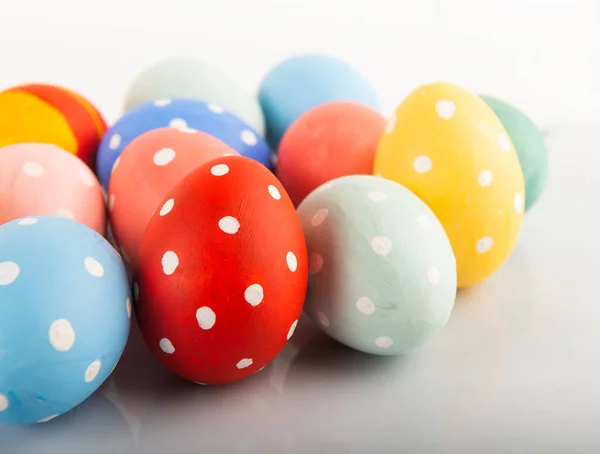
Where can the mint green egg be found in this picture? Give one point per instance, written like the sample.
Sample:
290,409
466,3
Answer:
196,79
529,145
382,274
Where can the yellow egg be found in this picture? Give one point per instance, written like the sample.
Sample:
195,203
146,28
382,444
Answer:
448,147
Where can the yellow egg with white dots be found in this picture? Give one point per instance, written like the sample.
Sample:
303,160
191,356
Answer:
448,147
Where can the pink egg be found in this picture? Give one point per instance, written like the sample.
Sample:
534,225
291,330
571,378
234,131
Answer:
42,179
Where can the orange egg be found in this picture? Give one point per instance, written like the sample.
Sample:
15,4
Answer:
329,141
149,167
39,179
51,114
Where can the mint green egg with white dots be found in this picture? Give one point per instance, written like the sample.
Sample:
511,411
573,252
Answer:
382,274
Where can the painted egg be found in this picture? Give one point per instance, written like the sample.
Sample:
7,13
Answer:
147,170
328,141
51,114
186,115
449,148
382,274
42,179
222,276
64,317
196,79
529,145
305,81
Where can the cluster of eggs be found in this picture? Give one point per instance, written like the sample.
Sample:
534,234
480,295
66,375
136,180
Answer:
217,217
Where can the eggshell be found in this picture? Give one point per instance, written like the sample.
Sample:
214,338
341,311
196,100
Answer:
328,141
305,81
64,317
222,276
150,166
42,179
382,273
51,114
190,78
449,148
529,145
186,115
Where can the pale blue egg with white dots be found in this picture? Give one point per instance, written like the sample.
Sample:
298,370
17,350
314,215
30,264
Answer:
382,274
65,316
188,115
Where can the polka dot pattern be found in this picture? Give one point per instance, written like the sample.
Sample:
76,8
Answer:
33,169
206,317
274,192
254,294
62,335
292,261
445,109
170,262
167,207
166,346
422,164
292,330
92,371
243,363
381,245
3,402
484,244
28,221
248,137
319,217
384,342
115,141
365,305
9,272
219,170
47,419
229,225
164,156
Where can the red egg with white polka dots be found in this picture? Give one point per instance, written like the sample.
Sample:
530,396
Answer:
149,167
222,272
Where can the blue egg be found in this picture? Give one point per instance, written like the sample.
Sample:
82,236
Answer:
306,81
65,316
187,115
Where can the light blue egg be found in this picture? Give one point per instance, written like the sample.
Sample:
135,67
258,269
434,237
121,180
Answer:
188,115
382,274
305,81
65,316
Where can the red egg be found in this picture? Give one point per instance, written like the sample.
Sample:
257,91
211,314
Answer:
146,171
331,140
42,179
222,272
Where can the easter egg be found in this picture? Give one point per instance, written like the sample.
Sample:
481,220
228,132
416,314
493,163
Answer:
64,317
222,275
150,166
51,114
186,115
382,274
326,142
43,179
529,145
449,148
305,81
196,79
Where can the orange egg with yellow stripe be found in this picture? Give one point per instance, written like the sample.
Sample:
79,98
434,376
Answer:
51,114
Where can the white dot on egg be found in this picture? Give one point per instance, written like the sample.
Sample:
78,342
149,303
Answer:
292,261
92,371
229,225
504,142
384,342
219,170
163,156
274,192
114,142
33,169
433,275
162,102
87,178
178,123
484,244
216,108
169,262
47,419
61,335
93,267
323,320
315,263
377,196
422,164
65,213
292,329
9,272
3,402
365,305
319,217
28,221
254,294
167,207
485,178
166,346
248,137
389,127
381,245
206,317
518,203
243,363
445,109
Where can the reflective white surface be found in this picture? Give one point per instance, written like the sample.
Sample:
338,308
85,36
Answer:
516,370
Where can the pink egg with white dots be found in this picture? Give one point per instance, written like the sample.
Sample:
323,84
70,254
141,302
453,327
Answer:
39,179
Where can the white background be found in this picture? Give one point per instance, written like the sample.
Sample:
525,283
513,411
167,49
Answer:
543,55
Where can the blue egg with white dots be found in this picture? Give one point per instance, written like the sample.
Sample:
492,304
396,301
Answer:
300,83
65,316
187,115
